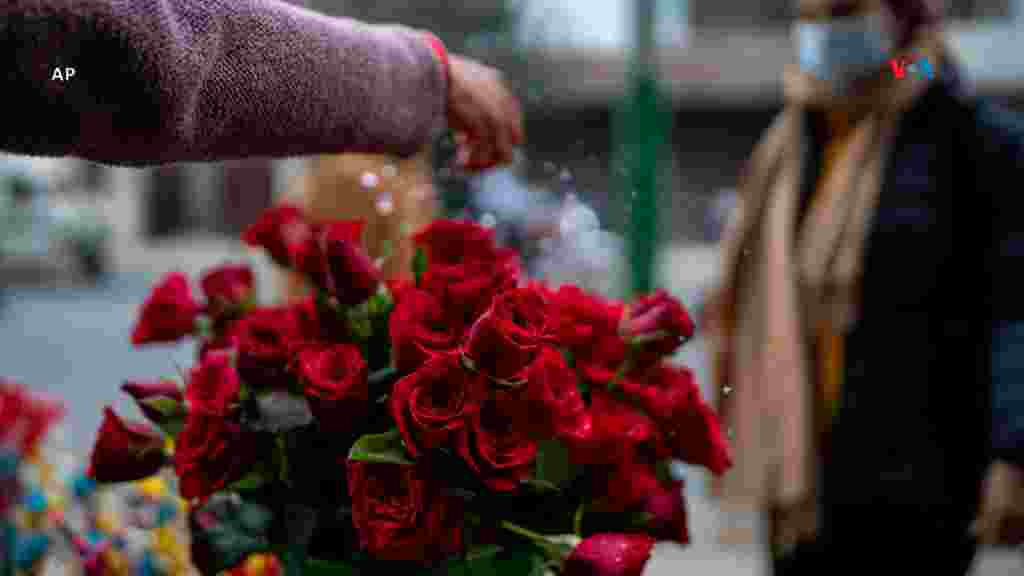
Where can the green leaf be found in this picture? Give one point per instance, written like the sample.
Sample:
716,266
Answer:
250,481
236,529
172,414
315,567
419,264
553,464
520,560
383,448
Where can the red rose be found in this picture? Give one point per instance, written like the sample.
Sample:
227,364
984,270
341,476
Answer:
168,313
227,287
618,431
494,445
350,274
667,511
695,437
509,336
334,380
588,326
213,385
418,331
266,340
210,453
25,418
659,322
145,392
277,230
664,391
125,451
554,403
433,403
398,286
624,484
455,241
225,338
401,515
467,289
610,555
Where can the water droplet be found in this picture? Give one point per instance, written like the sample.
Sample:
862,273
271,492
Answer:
379,262
369,180
389,171
726,390
565,176
385,205
488,220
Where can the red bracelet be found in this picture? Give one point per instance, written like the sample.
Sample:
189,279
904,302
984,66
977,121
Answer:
442,54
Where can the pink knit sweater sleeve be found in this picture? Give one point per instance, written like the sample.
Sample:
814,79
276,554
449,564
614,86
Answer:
163,81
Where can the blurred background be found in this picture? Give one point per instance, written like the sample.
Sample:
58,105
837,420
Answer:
81,243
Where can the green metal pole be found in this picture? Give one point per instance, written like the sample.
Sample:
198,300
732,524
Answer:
643,134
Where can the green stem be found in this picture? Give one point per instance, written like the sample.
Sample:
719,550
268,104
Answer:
577,520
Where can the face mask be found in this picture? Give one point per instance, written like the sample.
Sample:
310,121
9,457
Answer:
843,50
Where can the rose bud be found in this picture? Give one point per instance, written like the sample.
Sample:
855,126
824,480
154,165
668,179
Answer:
276,230
351,275
418,331
430,405
334,379
125,451
401,515
588,325
610,555
168,313
657,322
213,385
467,289
148,394
666,510
492,444
507,338
227,288
696,438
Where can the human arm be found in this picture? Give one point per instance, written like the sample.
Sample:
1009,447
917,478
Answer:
161,81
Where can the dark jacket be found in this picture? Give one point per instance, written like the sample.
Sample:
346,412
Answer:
934,372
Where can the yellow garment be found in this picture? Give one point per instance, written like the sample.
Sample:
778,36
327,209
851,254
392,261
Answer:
830,341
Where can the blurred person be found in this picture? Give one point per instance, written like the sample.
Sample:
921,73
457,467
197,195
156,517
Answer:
868,334
168,81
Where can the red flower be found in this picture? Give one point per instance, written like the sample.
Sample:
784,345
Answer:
277,230
554,405
433,403
401,515
496,448
306,318
667,510
588,326
350,274
610,555
210,453
696,438
168,314
398,286
225,338
334,379
125,451
455,241
418,331
227,287
510,335
266,339
467,289
25,418
213,385
664,391
659,322
144,392
618,431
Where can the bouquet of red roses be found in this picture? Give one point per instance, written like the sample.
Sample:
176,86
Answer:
462,420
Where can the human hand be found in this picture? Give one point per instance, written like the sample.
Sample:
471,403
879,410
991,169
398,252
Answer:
1000,520
485,116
